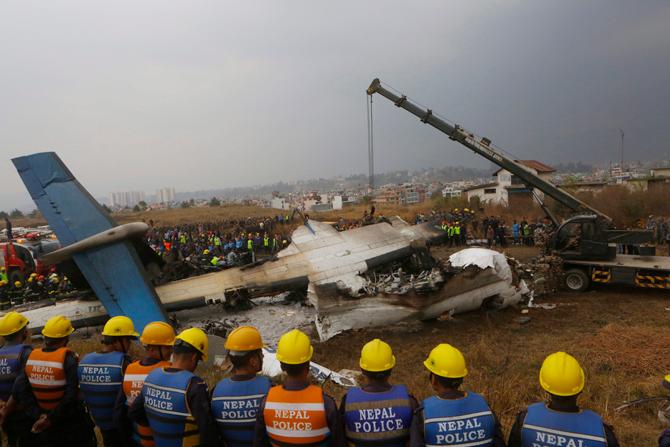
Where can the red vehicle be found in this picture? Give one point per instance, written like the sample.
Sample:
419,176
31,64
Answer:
20,258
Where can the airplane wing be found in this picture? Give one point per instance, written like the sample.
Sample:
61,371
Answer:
114,271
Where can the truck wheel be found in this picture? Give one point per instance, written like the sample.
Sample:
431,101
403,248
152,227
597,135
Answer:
576,280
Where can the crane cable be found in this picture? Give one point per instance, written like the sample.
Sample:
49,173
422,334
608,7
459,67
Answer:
371,158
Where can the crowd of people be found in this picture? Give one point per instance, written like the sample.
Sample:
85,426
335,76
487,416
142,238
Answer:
224,243
48,397
35,288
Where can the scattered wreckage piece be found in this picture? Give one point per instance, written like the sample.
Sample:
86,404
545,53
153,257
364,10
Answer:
476,278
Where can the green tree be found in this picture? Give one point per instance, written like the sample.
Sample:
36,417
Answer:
16,214
214,202
3,215
143,205
185,204
136,208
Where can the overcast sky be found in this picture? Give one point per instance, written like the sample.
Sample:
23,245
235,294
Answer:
209,94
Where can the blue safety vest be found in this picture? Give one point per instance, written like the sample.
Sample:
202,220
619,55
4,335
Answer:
10,364
467,421
100,379
378,418
166,406
235,407
545,427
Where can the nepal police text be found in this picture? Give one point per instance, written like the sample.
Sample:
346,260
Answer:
376,420
547,440
240,409
465,431
99,374
4,367
291,420
158,399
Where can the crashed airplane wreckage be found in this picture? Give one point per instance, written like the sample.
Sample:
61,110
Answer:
374,275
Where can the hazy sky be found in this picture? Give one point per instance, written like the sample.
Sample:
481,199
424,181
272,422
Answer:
208,94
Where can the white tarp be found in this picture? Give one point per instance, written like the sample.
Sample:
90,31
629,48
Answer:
483,258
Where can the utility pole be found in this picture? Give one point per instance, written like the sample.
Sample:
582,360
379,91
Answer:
371,154
622,134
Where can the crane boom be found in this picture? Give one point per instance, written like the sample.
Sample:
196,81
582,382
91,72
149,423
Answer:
482,146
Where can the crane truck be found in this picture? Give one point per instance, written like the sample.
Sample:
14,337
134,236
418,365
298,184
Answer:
587,241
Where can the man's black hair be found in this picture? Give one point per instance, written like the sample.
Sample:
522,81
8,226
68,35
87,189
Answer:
110,339
448,382
181,347
294,370
15,336
240,361
377,375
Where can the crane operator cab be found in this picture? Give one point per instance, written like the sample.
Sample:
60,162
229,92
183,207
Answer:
582,237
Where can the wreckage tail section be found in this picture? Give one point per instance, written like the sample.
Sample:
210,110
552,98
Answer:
114,271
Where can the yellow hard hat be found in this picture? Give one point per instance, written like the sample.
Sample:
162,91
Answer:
196,338
120,326
376,356
244,338
11,323
17,283
561,375
294,348
666,381
205,252
57,327
33,275
30,279
446,361
157,333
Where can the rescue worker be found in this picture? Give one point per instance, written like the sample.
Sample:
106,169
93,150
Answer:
100,376
477,425
309,416
13,357
561,419
378,413
48,389
235,400
174,402
664,439
157,339
3,274
4,295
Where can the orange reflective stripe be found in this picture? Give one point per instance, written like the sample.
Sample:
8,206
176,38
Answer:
133,380
296,417
46,374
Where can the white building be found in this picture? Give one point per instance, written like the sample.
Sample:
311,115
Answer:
509,187
165,195
127,199
449,192
280,203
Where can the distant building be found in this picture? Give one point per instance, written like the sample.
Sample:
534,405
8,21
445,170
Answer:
127,199
404,194
165,195
449,192
508,186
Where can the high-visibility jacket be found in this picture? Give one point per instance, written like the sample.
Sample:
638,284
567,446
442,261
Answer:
166,406
235,405
100,379
465,421
133,380
250,244
543,426
266,242
296,417
46,375
10,364
457,230
214,261
378,418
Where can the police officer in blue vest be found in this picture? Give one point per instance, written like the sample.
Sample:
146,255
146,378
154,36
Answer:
561,422
174,402
101,376
236,400
452,416
378,413
13,356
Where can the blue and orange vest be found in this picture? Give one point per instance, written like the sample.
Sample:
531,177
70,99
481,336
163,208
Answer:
378,418
296,417
100,379
235,406
467,421
10,364
166,406
543,426
46,373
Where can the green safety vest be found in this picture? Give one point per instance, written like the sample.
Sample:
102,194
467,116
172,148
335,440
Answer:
214,261
457,230
250,244
450,231
217,241
266,242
